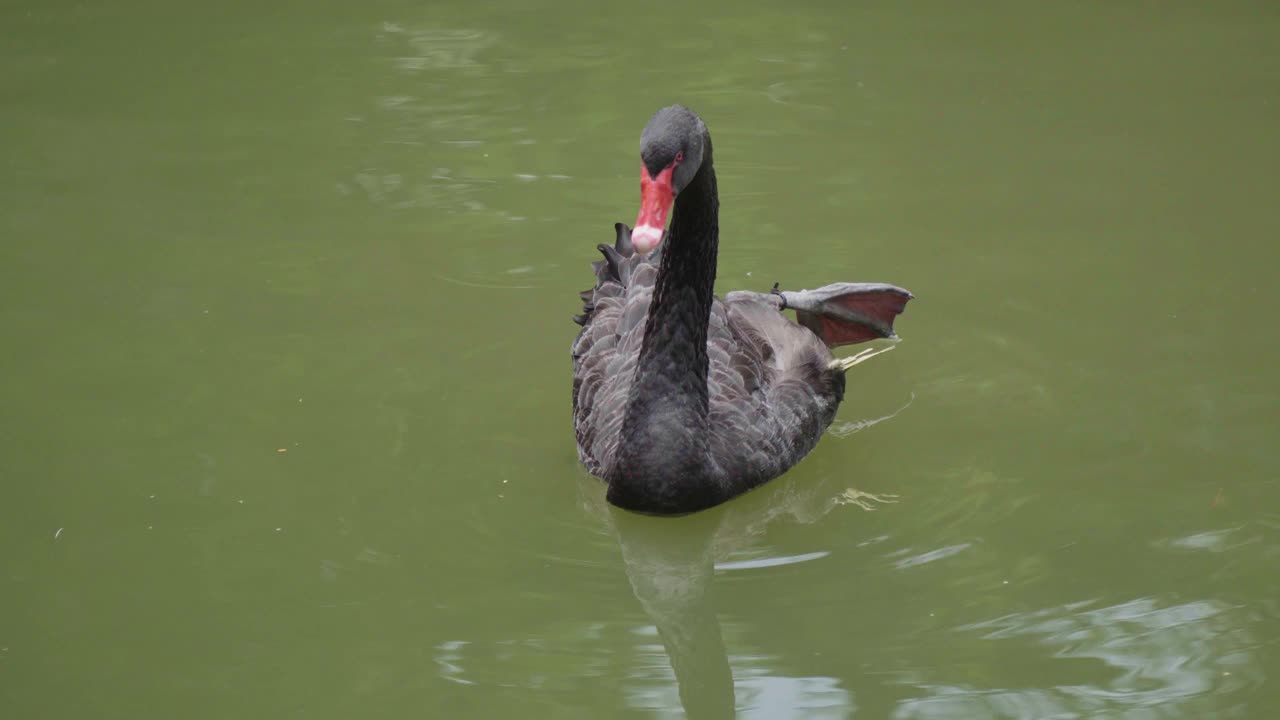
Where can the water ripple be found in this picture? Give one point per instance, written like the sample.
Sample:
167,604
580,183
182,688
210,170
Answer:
932,555
1180,657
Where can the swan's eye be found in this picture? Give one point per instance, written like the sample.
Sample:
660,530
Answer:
679,156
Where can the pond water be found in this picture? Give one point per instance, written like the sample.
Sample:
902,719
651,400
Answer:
286,293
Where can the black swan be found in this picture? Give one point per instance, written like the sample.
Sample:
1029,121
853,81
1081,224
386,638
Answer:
682,401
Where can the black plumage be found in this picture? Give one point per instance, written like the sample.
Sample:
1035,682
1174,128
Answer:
682,400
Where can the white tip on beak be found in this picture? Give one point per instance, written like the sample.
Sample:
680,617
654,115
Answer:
645,238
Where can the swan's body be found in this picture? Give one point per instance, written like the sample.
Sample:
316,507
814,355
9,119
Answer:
681,400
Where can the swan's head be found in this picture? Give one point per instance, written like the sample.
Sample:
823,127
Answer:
671,152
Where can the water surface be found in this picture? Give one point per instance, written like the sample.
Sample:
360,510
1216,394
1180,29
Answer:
285,290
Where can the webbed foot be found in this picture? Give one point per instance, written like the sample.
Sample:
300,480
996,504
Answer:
848,313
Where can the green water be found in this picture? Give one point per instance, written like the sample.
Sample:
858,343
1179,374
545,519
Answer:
285,293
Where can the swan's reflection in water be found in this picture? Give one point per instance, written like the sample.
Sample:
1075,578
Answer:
671,564
670,568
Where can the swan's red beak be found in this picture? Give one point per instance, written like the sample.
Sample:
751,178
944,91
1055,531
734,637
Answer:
656,196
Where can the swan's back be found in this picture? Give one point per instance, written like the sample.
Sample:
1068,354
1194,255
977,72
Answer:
770,388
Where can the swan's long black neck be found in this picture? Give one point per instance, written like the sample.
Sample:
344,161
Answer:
663,456
673,358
